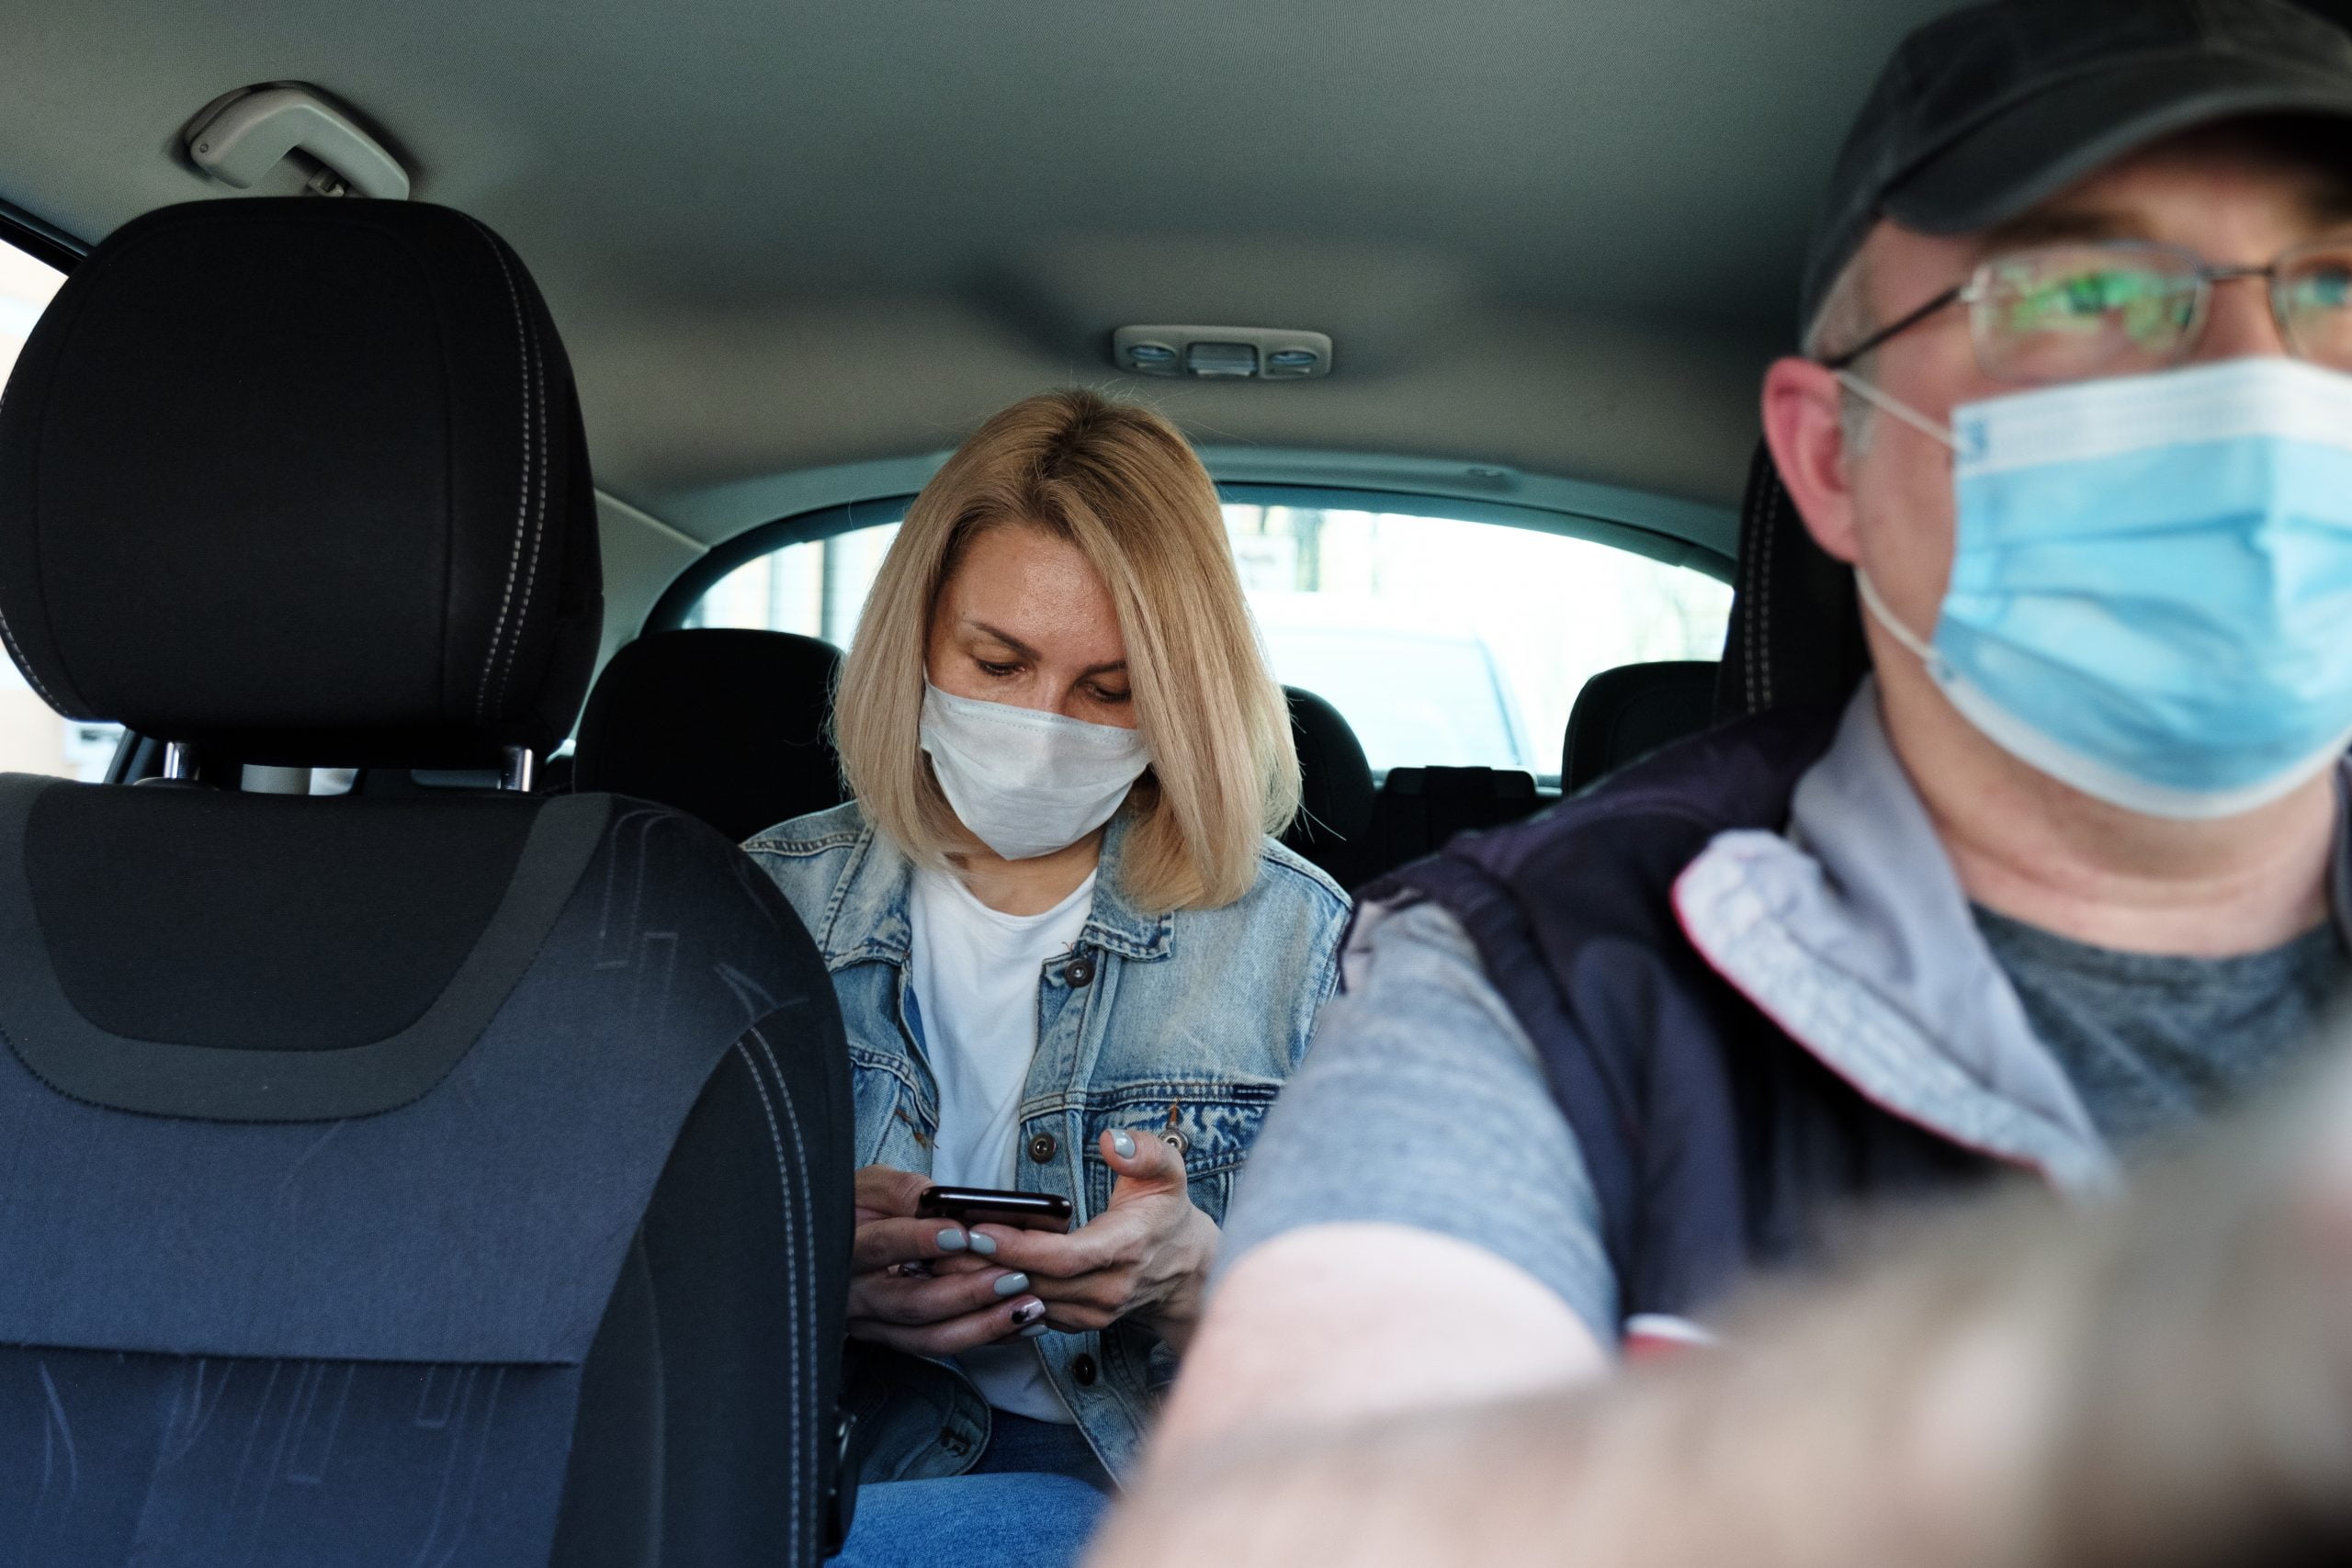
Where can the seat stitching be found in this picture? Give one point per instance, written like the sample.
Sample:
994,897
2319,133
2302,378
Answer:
26,664
1751,551
806,1299
1771,542
523,502
538,522
793,1288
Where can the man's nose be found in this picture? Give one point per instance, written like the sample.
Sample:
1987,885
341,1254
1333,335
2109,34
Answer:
2238,323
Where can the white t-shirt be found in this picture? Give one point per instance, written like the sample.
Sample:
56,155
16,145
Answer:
976,972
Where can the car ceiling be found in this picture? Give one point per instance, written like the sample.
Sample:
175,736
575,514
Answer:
1559,235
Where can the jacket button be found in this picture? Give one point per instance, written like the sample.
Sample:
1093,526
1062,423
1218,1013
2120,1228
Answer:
1082,1371
1079,971
1042,1148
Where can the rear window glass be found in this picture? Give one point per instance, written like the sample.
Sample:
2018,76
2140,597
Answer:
1444,641
33,739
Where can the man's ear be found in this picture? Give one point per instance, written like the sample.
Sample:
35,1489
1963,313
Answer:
1805,427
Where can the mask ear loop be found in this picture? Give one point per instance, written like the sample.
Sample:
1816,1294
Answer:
1938,670
1887,403
1917,646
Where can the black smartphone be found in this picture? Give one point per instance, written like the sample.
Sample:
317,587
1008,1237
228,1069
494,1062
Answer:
994,1206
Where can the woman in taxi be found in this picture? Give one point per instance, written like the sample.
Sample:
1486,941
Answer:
1069,959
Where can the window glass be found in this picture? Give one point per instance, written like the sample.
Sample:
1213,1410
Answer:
1452,643
815,589
1443,641
33,739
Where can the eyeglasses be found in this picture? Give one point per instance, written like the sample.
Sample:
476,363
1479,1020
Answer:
2070,313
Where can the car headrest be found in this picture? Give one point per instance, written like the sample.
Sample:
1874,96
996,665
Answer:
727,726
1796,629
301,481
1336,792
1624,714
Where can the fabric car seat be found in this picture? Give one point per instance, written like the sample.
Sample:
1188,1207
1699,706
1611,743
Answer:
732,727
1419,810
1333,828
452,1178
1795,638
1622,715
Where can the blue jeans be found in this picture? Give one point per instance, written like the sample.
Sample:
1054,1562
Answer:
1031,1502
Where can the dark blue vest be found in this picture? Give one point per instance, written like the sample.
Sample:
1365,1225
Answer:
1715,1143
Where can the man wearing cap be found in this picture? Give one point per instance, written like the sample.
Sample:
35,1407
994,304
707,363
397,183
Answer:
2064,876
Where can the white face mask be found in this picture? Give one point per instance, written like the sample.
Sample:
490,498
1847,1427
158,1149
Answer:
1027,782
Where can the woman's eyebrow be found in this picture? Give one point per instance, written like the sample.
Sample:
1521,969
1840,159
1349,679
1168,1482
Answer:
1114,667
1015,643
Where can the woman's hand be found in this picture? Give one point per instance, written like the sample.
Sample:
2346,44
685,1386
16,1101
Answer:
1144,1257
928,1286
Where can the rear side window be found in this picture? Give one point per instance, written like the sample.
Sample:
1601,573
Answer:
1445,641
33,739
1451,643
815,587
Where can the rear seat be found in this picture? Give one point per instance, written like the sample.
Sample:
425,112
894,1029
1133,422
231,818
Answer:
724,725
732,727
1420,809
1624,714
1336,794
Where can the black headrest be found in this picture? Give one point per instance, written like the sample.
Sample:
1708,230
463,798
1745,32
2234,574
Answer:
1336,794
301,481
727,726
1624,714
1796,627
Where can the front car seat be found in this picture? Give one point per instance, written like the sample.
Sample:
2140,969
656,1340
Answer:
1795,638
450,1179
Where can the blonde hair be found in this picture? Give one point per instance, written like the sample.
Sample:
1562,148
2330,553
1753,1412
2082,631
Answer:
1120,484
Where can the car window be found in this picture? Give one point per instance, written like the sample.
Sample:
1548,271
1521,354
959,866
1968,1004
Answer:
33,739
815,587
1444,641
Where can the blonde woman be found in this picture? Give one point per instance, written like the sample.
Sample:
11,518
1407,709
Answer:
1069,957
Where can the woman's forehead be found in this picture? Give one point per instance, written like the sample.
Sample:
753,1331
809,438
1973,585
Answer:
1037,589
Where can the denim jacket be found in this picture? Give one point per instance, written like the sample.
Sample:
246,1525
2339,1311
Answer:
1181,1024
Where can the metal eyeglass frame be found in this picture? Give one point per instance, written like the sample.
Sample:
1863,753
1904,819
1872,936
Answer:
1979,280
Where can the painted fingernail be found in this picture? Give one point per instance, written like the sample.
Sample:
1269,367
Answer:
952,1240
1035,1331
1027,1313
1013,1284
983,1244
1125,1145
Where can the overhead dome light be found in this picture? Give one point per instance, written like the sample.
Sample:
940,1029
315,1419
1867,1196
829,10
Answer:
1230,353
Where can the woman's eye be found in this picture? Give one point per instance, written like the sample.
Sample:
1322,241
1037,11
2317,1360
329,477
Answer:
1102,694
1000,671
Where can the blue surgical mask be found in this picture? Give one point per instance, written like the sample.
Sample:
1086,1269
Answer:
2150,594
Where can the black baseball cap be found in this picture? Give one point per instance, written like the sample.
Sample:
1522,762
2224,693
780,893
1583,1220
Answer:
1985,112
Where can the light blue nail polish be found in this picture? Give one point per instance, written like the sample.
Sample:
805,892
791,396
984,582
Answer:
1035,1331
952,1240
1013,1284
983,1244
1123,1143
